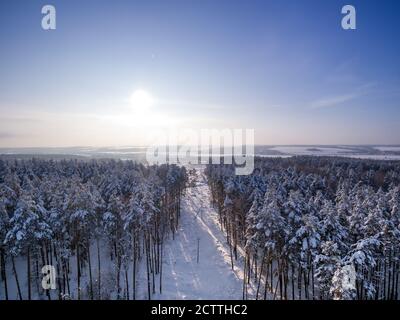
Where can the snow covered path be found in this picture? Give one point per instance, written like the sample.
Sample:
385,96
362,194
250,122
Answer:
212,277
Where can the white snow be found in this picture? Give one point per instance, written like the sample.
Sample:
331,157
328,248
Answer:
211,278
20,235
183,278
386,148
310,150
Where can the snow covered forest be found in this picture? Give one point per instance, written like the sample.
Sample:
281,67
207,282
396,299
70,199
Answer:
297,228
92,220
308,225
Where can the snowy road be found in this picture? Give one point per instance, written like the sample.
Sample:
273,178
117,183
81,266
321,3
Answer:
212,277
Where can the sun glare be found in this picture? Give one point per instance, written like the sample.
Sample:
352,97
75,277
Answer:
143,112
141,100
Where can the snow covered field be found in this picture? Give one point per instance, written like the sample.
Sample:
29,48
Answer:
360,152
138,153
385,148
310,150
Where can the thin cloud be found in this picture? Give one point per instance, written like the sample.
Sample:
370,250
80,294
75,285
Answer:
343,98
334,101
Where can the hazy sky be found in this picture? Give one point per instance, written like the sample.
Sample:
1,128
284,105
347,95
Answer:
113,71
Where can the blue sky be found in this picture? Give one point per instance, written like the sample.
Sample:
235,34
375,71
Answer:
285,68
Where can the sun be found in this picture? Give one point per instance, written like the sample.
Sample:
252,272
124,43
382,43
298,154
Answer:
144,112
141,100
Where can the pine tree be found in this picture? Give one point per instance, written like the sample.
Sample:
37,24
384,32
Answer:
27,231
326,264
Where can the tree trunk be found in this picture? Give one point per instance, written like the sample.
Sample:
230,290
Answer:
293,271
161,266
90,271
397,280
16,277
228,236
148,268
28,270
118,261
153,264
393,279
244,278
4,272
78,270
260,275
127,283
98,270
134,266
312,281
66,267
305,284
299,281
